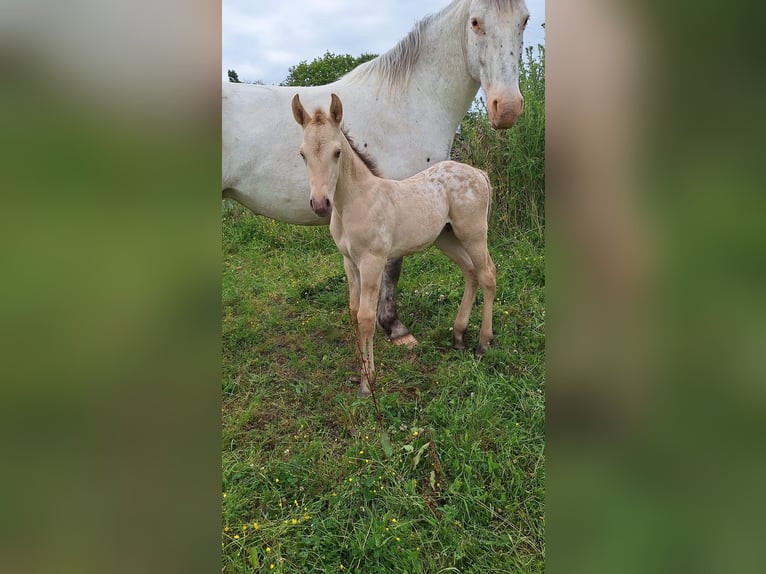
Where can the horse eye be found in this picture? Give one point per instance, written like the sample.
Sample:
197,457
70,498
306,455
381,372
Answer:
337,153
474,22
300,153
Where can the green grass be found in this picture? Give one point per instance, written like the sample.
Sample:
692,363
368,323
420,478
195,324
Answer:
454,481
302,455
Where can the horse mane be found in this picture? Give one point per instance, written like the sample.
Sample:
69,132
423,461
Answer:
395,66
364,156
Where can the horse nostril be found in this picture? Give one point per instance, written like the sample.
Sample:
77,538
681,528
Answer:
327,203
311,202
495,107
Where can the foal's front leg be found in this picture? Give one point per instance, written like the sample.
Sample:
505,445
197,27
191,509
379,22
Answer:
370,273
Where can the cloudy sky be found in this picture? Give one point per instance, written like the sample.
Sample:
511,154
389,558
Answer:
261,39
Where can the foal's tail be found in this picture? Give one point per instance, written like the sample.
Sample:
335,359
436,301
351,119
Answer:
489,191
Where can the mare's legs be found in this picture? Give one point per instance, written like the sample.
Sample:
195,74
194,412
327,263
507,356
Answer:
370,273
388,320
453,248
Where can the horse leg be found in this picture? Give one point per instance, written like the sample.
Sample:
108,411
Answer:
352,275
388,319
453,248
370,273
485,269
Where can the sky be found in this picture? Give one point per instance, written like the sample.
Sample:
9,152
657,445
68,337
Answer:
262,40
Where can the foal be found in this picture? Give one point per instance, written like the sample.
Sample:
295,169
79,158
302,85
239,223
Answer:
375,219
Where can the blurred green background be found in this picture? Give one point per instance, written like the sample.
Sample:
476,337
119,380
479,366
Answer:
110,307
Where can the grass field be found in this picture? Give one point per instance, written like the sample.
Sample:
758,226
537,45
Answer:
308,484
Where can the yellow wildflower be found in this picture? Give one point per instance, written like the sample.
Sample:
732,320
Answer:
255,525
293,521
268,549
236,537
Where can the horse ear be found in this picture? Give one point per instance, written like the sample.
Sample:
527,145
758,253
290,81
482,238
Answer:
299,112
336,109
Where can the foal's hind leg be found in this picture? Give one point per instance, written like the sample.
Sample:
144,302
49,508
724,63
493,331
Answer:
453,248
485,269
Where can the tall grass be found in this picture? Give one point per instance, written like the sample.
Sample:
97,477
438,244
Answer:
515,158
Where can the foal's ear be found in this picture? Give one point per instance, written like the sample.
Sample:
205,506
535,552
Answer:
299,112
336,109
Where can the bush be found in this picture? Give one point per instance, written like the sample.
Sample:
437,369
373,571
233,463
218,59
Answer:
514,158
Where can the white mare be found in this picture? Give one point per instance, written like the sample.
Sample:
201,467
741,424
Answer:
375,219
403,109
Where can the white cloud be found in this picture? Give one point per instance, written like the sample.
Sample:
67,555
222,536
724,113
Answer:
262,40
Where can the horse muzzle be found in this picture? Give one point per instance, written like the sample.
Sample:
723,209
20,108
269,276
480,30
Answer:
504,110
322,207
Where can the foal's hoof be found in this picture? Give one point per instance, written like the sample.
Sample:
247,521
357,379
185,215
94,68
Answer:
457,342
480,350
405,340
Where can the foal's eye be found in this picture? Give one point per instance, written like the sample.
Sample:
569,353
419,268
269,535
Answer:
337,153
300,153
474,22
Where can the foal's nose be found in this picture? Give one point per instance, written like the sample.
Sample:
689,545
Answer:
321,208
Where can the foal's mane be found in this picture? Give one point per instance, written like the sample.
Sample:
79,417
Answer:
364,156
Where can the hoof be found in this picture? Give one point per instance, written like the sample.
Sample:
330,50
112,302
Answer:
407,340
458,343
480,350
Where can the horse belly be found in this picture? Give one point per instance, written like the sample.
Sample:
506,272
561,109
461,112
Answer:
263,172
417,232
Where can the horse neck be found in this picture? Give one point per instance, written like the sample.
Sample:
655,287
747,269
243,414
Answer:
440,81
438,89
355,179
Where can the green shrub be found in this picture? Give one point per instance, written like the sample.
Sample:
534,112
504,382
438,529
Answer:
514,158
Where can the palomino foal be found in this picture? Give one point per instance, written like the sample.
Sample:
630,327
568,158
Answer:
375,219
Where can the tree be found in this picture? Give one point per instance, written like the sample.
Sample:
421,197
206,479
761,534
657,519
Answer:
233,77
323,70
